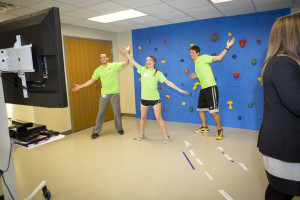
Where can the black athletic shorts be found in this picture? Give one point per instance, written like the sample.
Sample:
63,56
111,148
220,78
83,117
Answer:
208,99
150,103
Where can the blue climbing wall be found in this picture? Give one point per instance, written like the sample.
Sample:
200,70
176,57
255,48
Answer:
171,44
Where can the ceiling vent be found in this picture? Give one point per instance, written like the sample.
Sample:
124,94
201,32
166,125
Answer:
6,7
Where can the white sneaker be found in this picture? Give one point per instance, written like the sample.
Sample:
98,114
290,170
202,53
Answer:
141,137
166,139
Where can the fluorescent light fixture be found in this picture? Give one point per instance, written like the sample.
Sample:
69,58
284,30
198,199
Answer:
117,16
220,1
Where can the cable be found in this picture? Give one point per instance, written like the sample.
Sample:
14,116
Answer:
2,172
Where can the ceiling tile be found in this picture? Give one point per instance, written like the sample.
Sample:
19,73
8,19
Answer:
158,23
107,7
136,3
238,11
66,19
271,7
270,2
200,10
157,8
180,20
23,11
21,2
82,13
208,16
47,4
171,15
232,5
180,4
145,19
81,3
123,23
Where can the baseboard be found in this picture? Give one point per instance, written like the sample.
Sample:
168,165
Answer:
128,115
66,132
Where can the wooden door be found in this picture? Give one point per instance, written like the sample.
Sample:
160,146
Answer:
83,57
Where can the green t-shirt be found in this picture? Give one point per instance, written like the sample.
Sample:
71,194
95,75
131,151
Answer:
203,71
149,83
109,77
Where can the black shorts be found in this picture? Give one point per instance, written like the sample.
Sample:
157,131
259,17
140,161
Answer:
149,102
208,99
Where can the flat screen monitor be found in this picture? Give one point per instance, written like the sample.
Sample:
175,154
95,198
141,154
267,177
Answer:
46,85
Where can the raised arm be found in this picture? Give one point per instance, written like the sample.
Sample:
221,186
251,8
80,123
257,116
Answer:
86,84
126,50
122,48
172,85
224,52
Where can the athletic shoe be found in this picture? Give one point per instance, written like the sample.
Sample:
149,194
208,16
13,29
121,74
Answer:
220,135
121,132
94,135
141,137
166,139
202,130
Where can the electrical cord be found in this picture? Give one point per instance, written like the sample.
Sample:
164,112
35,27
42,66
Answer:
2,172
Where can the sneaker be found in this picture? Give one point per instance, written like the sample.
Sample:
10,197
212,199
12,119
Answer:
121,132
166,139
94,135
141,137
220,135
202,130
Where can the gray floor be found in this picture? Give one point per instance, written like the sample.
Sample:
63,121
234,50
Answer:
114,167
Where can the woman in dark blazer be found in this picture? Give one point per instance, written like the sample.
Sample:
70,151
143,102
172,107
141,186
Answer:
279,137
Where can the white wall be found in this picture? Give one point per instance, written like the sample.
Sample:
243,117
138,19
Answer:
59,119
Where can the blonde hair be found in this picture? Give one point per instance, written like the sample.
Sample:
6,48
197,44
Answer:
284,40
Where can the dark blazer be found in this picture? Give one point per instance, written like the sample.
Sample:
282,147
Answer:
279,136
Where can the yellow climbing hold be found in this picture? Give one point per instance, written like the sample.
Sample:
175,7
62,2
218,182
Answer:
259,79
140,79
229,34
195,86
163,61
140,47
168,96
183,103
191,45
230,104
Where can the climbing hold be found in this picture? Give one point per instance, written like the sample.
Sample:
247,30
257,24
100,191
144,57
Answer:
191,109
165,42
250,105
182,84
163,61
258,42
183,103
242,42
253,61
259,79
186,71
159,87
213,54
195,85
214,37
163,110
155,49
234,56
229,34
168,96
148,41
190,94
239,117
230,104
139,79
166,75
140,47
236,74
191,45
181,60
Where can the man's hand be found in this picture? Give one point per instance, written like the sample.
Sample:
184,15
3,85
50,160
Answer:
75,88
229,44
193,76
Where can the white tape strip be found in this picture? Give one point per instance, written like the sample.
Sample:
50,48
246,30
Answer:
198,160
187,143
243,166
220,148
227,156
225,195
192,153
209,176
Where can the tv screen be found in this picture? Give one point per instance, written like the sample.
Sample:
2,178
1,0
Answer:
46,85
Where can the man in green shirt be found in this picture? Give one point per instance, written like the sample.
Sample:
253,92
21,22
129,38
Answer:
108,74
209,95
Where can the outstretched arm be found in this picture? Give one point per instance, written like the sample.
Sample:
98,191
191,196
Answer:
122,48
172,85
86,84
224,52
126,50
193,75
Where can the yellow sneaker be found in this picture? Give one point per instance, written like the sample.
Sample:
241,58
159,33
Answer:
202,130
220,135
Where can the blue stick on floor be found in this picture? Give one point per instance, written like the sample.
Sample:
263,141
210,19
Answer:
188,160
